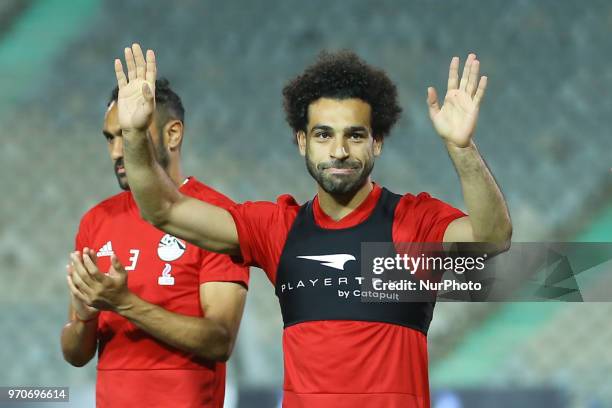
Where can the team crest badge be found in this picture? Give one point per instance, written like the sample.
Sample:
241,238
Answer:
170,248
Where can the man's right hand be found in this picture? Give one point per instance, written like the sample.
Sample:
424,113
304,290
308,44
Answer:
136,100
80,308
79,339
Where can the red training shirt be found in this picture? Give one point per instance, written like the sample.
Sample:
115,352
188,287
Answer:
134,368
340,363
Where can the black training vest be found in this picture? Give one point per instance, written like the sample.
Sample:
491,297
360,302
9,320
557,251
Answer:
308,290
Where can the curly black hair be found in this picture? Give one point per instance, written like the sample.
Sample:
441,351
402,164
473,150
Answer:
342,75
168,104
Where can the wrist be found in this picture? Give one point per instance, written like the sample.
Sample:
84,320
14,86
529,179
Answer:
451,146
126,304
91,318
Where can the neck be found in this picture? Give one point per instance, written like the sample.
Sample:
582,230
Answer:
338,206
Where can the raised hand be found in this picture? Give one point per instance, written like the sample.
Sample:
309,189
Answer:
136,100
456,120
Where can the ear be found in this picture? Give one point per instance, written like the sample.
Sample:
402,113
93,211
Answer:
173,134
300,137
378,145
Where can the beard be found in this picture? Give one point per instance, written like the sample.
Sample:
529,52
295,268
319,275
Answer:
340,184
161,155
121,177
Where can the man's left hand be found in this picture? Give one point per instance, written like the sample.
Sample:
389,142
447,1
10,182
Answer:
103,291
456,120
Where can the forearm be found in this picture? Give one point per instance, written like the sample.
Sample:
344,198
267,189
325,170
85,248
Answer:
161,203
153,189
485,202
79,341
201,336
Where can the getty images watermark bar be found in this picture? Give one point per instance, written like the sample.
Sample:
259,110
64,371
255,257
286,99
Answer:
479,272
34,394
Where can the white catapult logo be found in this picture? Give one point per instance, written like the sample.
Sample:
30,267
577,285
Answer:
335,261
106,250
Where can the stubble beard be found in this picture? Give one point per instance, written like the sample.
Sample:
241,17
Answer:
340,184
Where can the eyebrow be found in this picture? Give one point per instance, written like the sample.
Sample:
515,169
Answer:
348,129
356,129
321,127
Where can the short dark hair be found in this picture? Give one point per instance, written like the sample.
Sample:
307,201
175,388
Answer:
168,104
342,75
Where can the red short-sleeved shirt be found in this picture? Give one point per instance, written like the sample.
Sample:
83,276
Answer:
135,369
346,363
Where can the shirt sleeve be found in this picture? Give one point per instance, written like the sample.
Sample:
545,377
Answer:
262,231
423,218
221,268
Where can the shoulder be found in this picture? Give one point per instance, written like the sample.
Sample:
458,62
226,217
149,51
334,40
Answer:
199,190
103,212
285,205
266,216
422,218
423,201
108,207
262,228
423,208
196,189
208,194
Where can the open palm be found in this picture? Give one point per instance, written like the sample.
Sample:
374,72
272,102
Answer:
456,120
136,100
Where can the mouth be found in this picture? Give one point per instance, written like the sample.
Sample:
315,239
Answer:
335,170
120,170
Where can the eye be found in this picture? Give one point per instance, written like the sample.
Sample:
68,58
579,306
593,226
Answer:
109,138
322,135
356,136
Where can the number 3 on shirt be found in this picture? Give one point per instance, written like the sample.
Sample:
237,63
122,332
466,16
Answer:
133,259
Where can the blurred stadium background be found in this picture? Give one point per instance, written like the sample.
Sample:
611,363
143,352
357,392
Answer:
544,130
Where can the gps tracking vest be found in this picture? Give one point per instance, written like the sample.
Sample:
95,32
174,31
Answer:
319,272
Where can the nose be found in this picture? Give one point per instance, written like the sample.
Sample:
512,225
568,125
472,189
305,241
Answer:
117,148
339,150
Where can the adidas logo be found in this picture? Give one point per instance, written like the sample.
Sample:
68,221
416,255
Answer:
106,250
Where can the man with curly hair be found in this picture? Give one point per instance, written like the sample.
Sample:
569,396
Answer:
338,351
